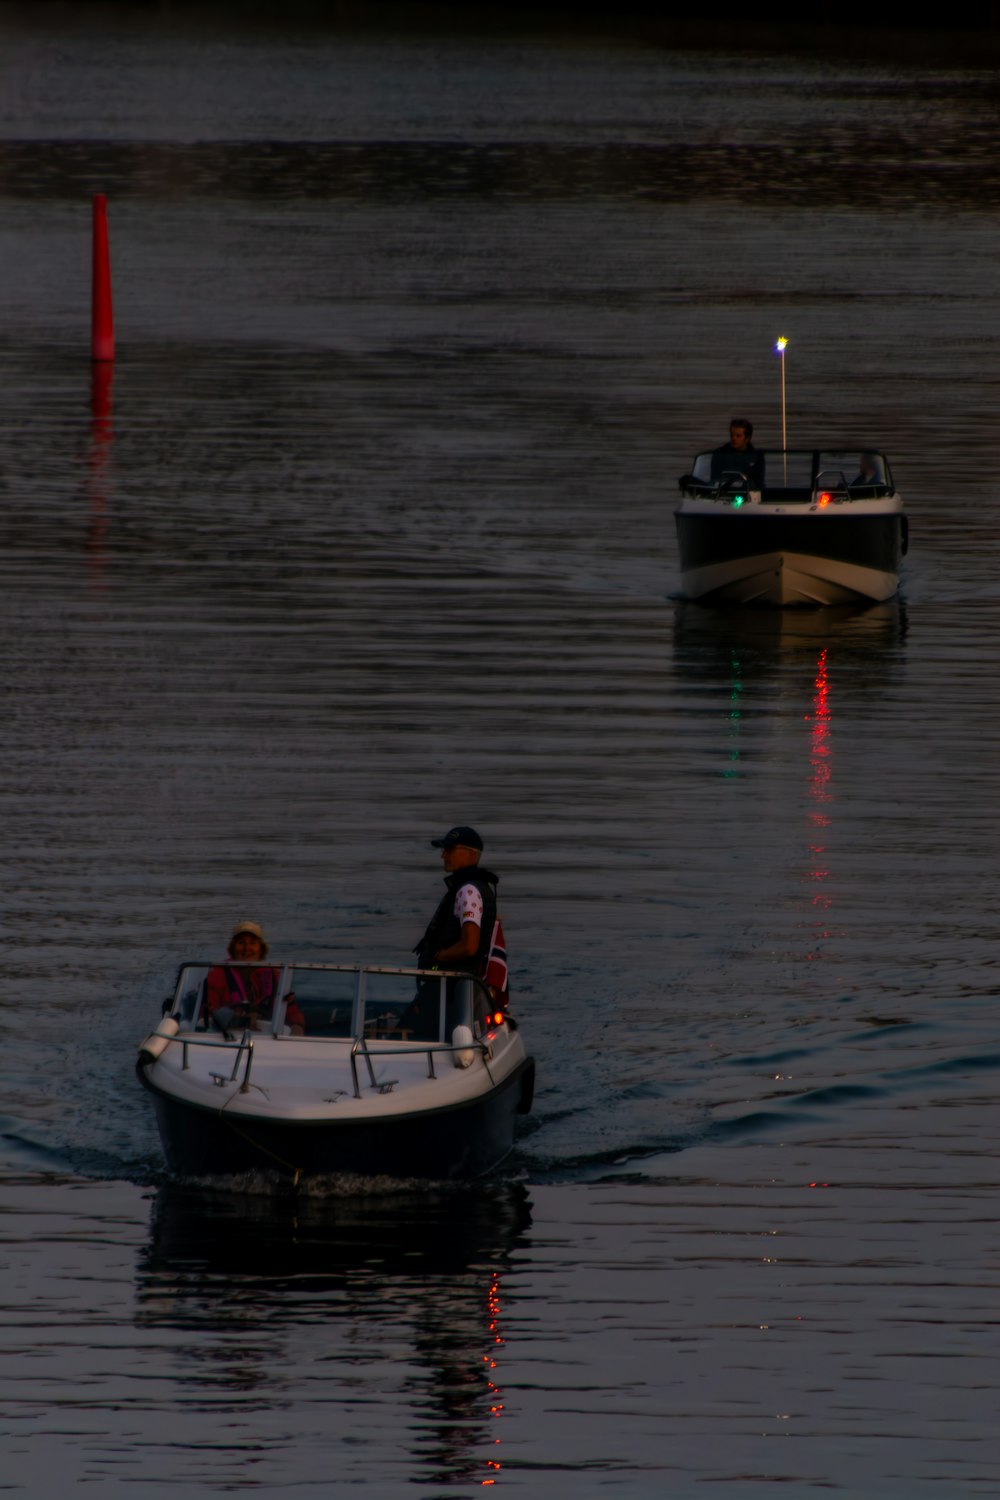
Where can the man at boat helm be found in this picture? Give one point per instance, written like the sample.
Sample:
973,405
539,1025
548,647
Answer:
739,456
464,932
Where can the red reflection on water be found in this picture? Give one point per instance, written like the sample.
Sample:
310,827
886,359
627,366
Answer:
495,1393
820,780
98,462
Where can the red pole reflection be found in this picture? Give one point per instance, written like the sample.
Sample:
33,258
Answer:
98,466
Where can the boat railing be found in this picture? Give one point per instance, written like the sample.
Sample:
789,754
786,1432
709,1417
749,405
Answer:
360,1047
186,1040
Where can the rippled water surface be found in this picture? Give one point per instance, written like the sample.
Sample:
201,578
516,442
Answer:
370,533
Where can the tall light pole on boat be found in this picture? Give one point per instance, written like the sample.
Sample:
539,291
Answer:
779,349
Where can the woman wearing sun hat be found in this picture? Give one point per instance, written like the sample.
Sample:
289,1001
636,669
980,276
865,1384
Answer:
238,997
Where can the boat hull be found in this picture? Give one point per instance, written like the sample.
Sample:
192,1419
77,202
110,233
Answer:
760,556
457,1142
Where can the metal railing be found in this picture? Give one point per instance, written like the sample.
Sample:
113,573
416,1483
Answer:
359,1041
185,1040
360,1046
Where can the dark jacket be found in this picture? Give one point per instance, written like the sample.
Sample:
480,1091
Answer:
748,461
444,928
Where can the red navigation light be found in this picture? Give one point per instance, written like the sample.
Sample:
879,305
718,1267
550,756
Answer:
824,499
498,1018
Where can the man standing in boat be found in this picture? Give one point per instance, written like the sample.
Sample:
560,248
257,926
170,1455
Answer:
464,933
739,456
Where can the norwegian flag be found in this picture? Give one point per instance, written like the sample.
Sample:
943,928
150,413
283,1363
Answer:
495,974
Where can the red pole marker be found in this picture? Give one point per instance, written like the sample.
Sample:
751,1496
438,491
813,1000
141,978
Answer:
102,324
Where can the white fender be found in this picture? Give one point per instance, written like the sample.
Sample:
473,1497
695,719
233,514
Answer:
155,1043
461,1037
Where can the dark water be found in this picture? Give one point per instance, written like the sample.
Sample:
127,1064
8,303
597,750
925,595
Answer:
371,534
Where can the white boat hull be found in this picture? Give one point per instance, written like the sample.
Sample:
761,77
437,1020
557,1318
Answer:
781,555
800,533
459,1124
788,578
358,1094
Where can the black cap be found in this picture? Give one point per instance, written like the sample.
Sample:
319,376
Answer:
467,837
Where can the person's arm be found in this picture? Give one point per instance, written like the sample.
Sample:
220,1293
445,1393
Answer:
464,948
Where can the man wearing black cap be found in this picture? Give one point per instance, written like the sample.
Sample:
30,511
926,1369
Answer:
460,932
458,935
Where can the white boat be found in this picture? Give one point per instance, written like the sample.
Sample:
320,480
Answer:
812,526
360,1093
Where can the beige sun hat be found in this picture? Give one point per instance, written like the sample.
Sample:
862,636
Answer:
252,927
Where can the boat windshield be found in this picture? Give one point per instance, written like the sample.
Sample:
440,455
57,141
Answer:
346,1001
859,471
854,468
